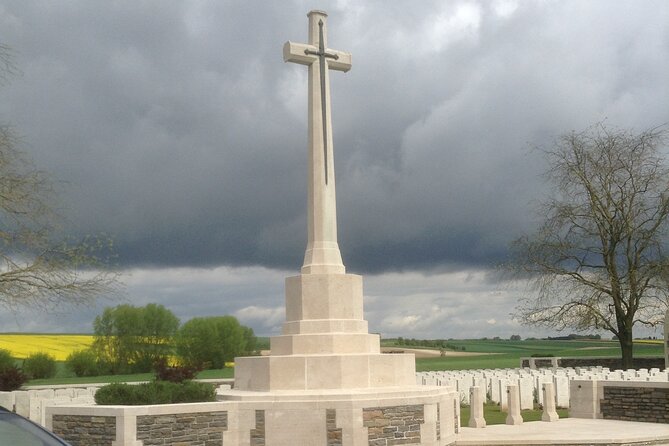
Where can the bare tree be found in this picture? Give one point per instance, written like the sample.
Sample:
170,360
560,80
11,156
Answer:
599,258
37,267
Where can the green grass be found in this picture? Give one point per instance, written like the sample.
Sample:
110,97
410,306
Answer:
493,414
507,354
500,354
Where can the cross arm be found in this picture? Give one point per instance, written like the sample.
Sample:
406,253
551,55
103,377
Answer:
296,52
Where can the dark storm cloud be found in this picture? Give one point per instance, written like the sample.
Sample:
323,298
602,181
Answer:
177,128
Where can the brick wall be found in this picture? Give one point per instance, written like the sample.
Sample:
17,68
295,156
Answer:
393,425
333,435
612,363
649,404
194,429
82,430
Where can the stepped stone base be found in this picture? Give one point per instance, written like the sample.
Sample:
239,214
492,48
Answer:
325,343
311,372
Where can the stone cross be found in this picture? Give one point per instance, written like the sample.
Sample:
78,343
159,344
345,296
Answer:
322,255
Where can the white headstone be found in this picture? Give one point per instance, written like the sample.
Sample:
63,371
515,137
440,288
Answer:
476,398
526,387
549,413
513,417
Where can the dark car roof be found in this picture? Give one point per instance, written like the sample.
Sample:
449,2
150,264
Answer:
34,428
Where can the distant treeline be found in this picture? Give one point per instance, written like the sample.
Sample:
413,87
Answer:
429,343
449,343
575,337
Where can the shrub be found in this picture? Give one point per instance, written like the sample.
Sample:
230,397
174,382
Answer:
12,378
40,366
155,392
175,374
83,363
6,360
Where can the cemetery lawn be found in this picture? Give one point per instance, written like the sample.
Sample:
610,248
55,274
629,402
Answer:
493,414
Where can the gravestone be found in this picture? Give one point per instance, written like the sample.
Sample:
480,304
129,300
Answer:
549,413
476,401
513,397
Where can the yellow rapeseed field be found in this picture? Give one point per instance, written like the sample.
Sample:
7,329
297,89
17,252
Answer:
57,345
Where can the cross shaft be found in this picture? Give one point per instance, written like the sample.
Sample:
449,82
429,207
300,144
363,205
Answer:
322,254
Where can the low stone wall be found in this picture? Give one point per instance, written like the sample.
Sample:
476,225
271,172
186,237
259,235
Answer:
620,400
380,417
82,429
196,424
649,404
612,363
195,428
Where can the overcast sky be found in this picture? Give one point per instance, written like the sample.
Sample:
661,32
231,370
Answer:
176,127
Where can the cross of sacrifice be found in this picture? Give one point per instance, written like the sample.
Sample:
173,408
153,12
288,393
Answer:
322,254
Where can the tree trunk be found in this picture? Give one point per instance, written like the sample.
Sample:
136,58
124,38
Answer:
626,348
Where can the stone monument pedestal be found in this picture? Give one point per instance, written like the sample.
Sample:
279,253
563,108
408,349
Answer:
418,415
324,343
326,382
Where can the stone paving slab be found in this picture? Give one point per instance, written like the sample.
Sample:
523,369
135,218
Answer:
567,432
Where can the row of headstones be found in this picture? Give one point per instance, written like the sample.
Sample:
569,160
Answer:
530,381
32,403
513,417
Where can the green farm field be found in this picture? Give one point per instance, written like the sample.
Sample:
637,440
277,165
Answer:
462,355
503,353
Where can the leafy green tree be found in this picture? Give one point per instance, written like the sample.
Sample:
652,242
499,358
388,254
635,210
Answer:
210,342
599,258
129,338
249,339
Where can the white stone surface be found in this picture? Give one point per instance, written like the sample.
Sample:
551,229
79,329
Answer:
7,400
549,413
22,403
526,388
561,386
513,417
584,401
477,398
